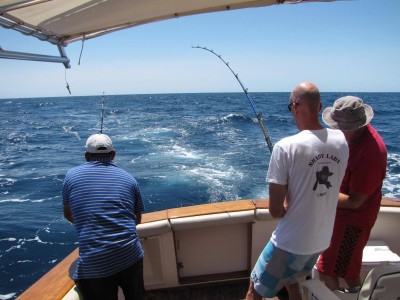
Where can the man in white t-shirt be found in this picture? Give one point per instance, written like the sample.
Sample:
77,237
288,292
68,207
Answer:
304,176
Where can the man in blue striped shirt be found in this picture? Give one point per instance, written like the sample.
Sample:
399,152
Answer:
105,204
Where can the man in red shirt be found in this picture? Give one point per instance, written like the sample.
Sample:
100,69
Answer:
360,192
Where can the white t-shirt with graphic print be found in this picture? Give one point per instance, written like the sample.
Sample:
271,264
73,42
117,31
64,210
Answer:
312,163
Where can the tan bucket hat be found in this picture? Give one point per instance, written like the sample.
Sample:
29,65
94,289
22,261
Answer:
348,113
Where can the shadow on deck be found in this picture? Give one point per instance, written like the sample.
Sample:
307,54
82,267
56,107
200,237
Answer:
231,291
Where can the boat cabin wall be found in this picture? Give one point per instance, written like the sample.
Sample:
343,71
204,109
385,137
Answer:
204,248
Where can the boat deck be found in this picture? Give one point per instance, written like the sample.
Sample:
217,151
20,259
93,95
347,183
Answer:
233,291
218,292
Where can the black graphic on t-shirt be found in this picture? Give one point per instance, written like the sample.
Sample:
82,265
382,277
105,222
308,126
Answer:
322,178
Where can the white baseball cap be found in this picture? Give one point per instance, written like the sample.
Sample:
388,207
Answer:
99,143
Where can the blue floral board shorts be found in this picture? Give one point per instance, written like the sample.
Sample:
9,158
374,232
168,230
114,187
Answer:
276,268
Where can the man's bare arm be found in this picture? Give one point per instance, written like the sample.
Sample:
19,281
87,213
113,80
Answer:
351,201
277,195
68,213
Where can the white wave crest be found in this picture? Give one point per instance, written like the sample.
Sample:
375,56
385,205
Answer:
68,129
390,186
179,151
7,296
26,200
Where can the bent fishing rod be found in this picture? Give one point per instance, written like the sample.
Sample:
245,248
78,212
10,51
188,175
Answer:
245,90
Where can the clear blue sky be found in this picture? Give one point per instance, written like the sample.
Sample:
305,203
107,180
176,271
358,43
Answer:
341,46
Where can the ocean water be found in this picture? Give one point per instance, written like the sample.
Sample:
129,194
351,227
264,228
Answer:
183,149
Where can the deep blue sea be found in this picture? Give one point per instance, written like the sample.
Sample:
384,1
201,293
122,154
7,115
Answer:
183,149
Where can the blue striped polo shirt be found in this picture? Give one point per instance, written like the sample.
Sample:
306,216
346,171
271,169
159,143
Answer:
104,199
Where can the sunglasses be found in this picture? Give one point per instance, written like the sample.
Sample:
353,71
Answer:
290,105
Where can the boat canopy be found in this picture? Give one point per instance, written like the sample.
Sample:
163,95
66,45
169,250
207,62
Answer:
61,22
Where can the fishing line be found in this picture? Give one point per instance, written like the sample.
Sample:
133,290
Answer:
65,77
245,90
80,55
102,113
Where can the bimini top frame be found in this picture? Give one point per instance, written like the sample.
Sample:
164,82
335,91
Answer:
37,57
61,22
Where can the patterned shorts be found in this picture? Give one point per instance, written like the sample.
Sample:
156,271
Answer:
276,268
343,258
